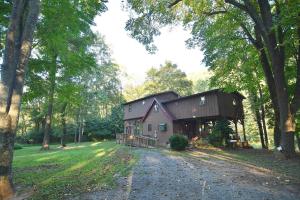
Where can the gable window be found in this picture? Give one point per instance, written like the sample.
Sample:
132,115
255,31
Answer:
234,102
156,108
129,108
149,127
202,100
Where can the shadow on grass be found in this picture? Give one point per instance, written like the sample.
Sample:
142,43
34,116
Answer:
60,173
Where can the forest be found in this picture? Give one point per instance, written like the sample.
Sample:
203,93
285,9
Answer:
60,84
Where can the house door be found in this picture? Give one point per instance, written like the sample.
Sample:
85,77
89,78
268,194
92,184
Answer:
189,129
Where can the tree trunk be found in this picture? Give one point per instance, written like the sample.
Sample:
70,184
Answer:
78,125
255,110
63,123
52,79
17,51
260,128
274,45
263,118
298,139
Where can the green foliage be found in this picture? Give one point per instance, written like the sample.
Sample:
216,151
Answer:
85,78
220,132
105,128
5,9
167,77
18,146
178,142
201,85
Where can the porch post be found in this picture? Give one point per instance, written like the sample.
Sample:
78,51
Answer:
236,128
243,124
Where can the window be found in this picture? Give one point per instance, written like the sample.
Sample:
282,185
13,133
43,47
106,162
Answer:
149,127
129,108
143,102
163,127
156,108
234,102
202,101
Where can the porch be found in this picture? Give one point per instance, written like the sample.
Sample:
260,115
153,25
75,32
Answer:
136,140
202,127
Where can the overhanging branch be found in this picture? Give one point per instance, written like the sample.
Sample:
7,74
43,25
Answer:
174,3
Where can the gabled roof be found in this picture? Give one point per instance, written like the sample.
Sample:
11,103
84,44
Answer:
203,93
152,95
163,109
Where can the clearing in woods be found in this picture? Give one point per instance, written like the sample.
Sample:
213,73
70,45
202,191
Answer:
106,170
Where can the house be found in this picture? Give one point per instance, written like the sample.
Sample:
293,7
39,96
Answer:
164,114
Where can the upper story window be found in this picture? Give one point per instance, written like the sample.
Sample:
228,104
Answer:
202,100
156,108
129,108
149,127
234,102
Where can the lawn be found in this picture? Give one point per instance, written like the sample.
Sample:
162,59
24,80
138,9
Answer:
79,168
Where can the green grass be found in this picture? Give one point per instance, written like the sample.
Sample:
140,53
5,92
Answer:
61,173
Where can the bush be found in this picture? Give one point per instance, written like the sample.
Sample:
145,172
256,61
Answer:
17,146
178,142
216,138
220,133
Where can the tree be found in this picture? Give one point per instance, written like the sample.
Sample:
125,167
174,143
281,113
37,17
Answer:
270,26
19,37
65,49
201,85
167,77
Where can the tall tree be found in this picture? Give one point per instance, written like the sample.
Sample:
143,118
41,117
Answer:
65,49
19,37
167,77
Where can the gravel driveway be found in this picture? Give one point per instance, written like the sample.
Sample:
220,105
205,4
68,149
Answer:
164,177
160,176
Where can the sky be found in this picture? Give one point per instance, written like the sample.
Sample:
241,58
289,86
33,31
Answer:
132,56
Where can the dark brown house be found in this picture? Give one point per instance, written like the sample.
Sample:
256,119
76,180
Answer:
163,114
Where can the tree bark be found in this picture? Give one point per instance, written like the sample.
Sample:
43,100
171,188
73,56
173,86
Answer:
63,123
255,110
52,79
78,126
263,118
17,52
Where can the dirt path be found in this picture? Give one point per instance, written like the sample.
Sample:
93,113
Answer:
159,176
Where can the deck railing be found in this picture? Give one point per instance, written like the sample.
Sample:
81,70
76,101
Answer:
135,140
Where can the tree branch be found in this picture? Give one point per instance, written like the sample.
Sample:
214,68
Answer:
236,4
215,12
249,36
174,3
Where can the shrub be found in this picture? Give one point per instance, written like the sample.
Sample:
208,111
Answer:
178,142
220,133
216,138
17,146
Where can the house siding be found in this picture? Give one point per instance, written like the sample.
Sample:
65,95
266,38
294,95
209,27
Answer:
189,107
226,107
138,109
155,118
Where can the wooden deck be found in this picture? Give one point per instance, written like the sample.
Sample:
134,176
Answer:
135,140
